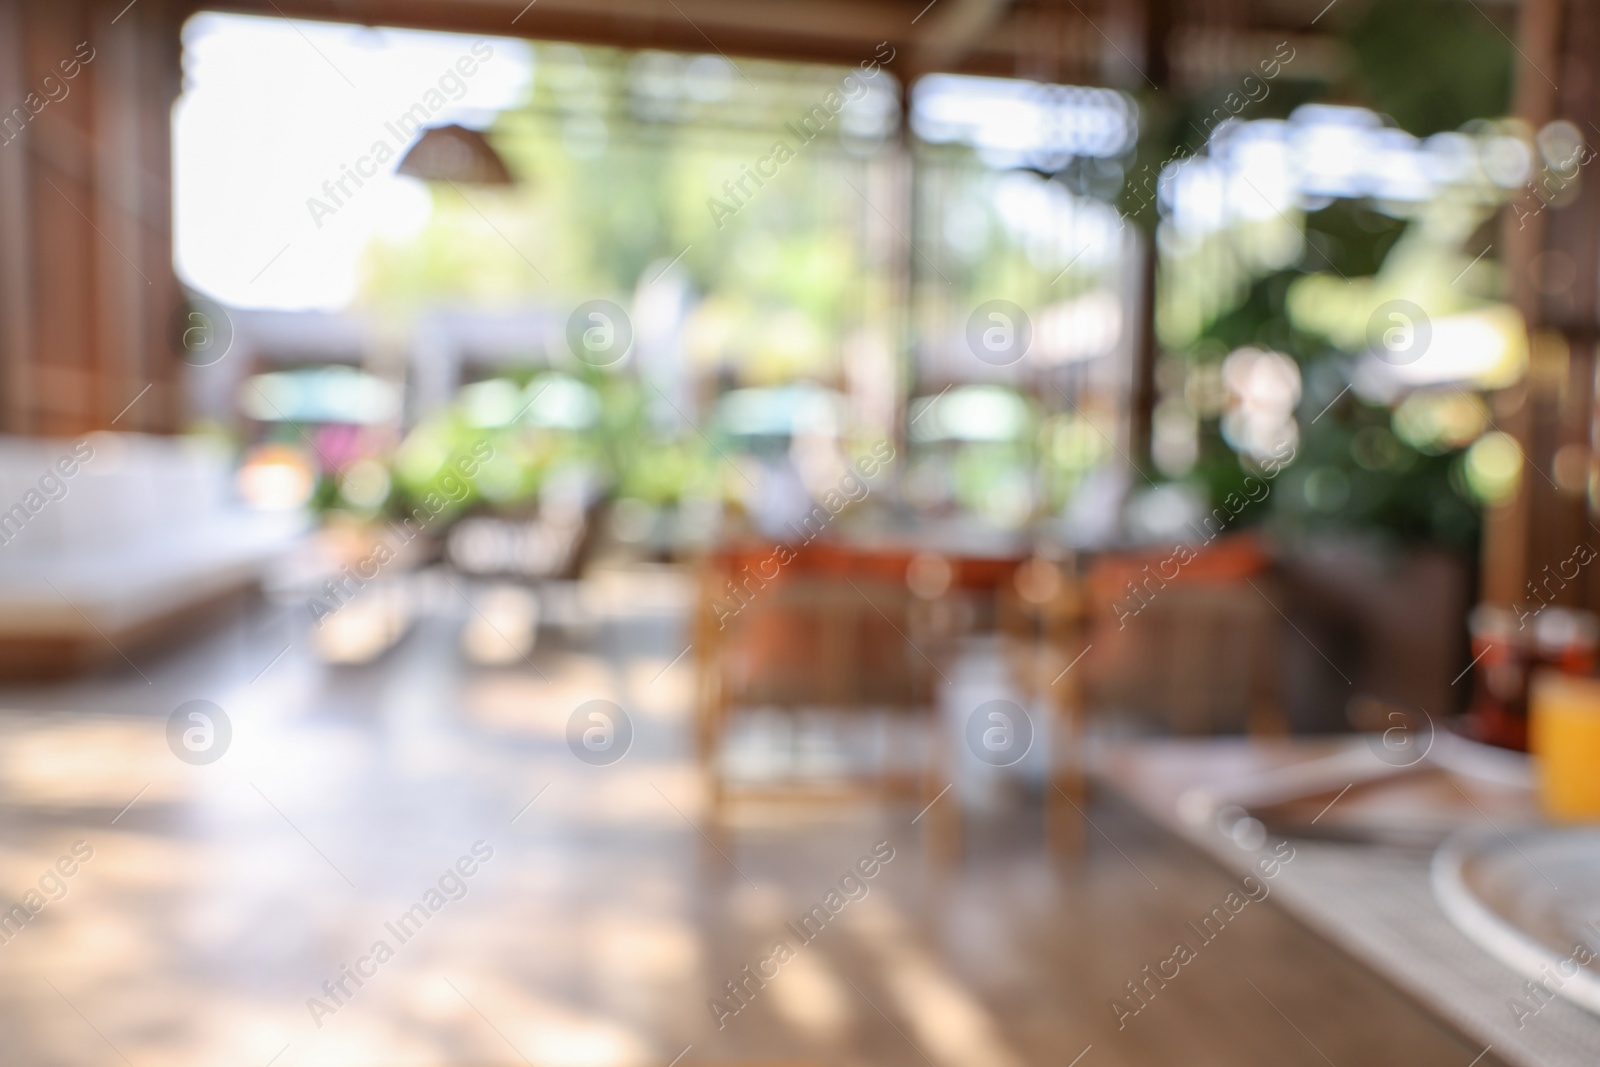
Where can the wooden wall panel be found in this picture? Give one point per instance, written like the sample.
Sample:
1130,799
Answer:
1554,408
86,281
16,240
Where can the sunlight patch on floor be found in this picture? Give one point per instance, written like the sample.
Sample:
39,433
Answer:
947,1022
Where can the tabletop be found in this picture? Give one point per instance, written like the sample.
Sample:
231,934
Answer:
1372,898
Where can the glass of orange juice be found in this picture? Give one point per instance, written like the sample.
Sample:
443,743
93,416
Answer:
1564,737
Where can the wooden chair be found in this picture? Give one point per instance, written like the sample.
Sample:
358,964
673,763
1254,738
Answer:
826,631
1196,653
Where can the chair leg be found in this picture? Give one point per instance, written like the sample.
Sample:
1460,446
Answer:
941,799
709,742
1063,813
1069,786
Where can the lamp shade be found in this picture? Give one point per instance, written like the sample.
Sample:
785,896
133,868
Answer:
455,154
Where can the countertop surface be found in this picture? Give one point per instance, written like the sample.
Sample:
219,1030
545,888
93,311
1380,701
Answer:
1374,900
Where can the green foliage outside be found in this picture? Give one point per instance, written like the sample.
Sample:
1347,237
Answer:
1431,66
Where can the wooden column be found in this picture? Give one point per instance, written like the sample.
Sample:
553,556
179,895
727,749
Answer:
1552,257
1156,70
87,291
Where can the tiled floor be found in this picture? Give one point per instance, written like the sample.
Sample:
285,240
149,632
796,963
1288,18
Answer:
216,906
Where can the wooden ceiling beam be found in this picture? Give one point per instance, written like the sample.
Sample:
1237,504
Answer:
954,29
825,31
966,36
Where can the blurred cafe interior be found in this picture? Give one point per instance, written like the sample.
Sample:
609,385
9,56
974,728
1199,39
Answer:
956,532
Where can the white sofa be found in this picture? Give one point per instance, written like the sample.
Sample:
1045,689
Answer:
143,532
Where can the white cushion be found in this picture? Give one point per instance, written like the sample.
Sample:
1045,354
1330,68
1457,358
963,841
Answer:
147,526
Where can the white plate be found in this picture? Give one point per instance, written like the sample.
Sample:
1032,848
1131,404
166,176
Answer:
1530,897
